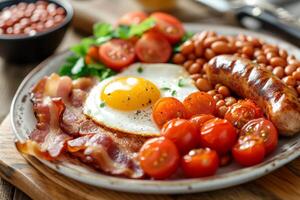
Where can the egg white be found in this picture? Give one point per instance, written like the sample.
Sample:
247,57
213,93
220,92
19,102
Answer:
171,80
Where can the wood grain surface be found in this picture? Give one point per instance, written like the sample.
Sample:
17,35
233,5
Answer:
46,184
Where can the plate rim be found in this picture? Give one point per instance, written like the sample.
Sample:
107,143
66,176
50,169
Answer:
170,186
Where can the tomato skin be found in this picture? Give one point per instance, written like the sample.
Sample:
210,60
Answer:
241,112
249,152
169,26
218,134
200,163
117,54
183,133
199,103
264,129
199,120
152,47
130,18
167,108
159,157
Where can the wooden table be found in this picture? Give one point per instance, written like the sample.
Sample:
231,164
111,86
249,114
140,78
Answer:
91,11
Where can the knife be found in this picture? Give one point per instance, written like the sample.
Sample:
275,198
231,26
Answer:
258,14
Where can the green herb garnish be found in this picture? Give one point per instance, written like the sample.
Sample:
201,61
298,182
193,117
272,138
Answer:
181,82
140,69
102,105
165,89
173,93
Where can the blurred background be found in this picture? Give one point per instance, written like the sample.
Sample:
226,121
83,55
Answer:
280,18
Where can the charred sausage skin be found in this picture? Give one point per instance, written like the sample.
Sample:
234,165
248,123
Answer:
249,80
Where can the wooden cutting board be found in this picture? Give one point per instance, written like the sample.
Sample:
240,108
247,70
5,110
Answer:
46,184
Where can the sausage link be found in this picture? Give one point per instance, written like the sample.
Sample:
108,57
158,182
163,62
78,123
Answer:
249,80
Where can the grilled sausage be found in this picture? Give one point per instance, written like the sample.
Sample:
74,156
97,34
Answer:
249,80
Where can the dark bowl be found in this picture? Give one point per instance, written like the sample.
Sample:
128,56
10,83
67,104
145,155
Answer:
25,48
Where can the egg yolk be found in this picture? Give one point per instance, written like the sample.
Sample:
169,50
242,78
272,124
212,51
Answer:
130,93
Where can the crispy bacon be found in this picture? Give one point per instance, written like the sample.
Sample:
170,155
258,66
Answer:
63,128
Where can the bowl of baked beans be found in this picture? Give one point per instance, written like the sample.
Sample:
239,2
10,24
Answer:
31,30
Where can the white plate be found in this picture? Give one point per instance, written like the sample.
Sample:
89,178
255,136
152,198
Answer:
23,123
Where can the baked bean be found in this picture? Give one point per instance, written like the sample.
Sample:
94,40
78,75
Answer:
283,53
187,64
194,68
243,55
200,36
178,58
220,47
208,41
191,56
195,76
288,70
296,75
229,101
277,61
298,89
261,59
222,110
248,50
205,66
269,68
258,52
294,62
278,71
198,48
209,53
212,92
220,103
232,47
224,91
242,37
254,41
218,97
187,47
203,84
289,80
217,86
200,61
298,69
204,76
270,55
211,33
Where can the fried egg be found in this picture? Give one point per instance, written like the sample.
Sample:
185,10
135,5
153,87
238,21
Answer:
124,102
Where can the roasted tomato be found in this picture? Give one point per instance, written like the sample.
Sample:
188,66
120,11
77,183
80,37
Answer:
249,151
199,120
218,134
200,163
263,128
241,112
167,108
152,47
117,53
93,52
169,26
132,18
183,133
199,103
159,157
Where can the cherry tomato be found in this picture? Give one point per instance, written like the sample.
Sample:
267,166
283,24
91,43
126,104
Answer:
218,134
159,157
169,26
132,18
263,128
249,152
241,112
88,59
200,163
183,133
117,53
167,108
199,120
199,103
225,160
93,52
153,48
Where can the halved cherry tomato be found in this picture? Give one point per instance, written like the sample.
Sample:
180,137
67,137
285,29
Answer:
152,47
200,163
218,134
263,128
167,108
199,103
241,112
183,133
159,157
132,18
199,120
169,26
93,52
117,53
250,151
